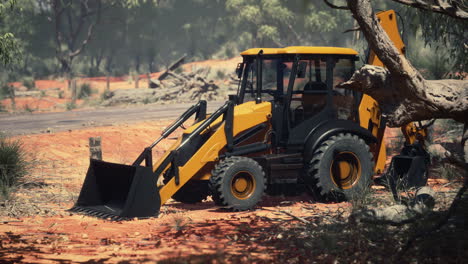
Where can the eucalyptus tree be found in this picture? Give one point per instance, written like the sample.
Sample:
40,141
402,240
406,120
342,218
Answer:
8,43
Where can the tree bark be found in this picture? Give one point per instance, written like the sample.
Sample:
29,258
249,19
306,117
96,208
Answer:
403,100
401,91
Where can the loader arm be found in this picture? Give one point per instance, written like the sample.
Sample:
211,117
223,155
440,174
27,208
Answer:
245,116
118,191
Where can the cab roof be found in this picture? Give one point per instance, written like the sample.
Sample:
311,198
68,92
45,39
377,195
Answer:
301,50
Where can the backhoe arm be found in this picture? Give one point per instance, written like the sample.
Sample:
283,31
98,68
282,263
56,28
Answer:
370,114
409,168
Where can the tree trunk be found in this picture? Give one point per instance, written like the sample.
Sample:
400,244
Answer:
74,91
11,94
107,81
401,91
403,100
137,80
95,149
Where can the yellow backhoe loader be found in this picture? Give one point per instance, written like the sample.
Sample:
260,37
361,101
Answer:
287,124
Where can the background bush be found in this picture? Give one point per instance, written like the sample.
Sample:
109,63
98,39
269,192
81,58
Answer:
84,91
28,82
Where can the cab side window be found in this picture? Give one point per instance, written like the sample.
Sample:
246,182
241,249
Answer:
310,91
343,99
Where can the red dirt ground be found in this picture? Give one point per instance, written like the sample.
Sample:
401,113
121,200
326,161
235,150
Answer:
199,233
38,104
181,230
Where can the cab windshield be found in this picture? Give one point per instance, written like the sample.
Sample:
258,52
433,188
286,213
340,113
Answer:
310,85
275,77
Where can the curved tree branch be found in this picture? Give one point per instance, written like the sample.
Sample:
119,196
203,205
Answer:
401,91
401,105
450,8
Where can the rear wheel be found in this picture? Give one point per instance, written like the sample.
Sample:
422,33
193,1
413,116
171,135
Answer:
341,166
194,191
237,183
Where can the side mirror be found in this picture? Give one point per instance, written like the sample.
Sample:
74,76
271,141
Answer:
301,69
239,70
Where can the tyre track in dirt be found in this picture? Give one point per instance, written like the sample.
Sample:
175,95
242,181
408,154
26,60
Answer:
23,124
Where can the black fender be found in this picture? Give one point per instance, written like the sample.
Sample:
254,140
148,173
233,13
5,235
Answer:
330,128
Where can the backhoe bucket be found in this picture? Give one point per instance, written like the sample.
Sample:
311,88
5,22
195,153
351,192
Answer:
408,171
118,192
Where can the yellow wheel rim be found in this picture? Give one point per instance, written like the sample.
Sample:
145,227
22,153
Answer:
345,170
242,185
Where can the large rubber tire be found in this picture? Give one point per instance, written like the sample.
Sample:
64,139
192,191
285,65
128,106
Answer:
237,183
341,167
194,191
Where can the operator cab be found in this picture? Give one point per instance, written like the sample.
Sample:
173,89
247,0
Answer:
300,82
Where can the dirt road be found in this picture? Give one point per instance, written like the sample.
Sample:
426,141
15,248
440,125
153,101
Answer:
20,124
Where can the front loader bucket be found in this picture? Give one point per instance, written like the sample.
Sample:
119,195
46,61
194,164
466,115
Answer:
118,192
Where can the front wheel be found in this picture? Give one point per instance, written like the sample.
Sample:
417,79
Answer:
341,166
237,183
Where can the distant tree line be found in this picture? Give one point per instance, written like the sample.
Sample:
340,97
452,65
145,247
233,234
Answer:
71,38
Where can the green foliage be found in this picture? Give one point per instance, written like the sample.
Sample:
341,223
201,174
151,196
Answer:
220,75
9,51
4,92
28,82
6,5
13,165
449,172
442,33
432,64
70,106
106,95
150,34
85,91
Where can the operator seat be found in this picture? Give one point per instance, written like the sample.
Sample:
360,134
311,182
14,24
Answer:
313,98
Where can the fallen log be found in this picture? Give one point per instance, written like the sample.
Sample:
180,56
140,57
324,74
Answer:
400,214
172,67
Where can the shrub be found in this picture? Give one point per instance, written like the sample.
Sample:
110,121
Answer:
146,100
85,91
70,106
27,108
28,82
13,165
106,95
4,92
220,75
